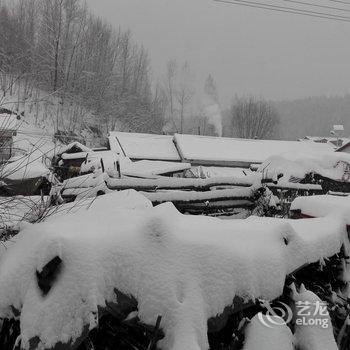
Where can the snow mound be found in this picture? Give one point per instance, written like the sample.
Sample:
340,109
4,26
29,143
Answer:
314,331
185,268
276,337
320,206
316,238
114,201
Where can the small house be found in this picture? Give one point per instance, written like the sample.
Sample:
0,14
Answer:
68,160
344,148
8,129
335,142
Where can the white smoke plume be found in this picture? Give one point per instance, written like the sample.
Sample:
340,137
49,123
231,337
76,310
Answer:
212,112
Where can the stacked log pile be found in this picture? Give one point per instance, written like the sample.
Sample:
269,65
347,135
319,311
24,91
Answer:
196,196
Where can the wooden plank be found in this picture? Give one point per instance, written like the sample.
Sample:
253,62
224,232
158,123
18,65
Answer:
166,183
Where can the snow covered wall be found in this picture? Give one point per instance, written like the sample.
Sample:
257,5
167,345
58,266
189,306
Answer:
185,268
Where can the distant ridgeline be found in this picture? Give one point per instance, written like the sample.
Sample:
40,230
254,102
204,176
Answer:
314,116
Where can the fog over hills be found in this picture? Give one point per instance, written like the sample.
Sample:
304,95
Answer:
313,116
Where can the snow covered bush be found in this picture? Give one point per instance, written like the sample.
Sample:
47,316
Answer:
276,337
63,274
314,331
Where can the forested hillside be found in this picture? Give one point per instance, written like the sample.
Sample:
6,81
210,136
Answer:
314,116
72,71
58,49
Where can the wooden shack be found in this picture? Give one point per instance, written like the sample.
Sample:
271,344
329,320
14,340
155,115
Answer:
8,129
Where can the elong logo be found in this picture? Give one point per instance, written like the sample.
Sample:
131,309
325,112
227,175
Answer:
306,314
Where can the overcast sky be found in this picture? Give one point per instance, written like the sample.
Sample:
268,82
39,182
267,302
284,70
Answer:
248,51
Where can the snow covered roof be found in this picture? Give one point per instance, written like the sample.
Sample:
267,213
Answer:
199,149
333,165
323,205
144,146
78,155
344,146
73,147
136,252
206,150
27,166
335,142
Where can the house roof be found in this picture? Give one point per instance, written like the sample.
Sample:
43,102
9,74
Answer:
195,148
208,150
336,142
144,146
75,148
345,145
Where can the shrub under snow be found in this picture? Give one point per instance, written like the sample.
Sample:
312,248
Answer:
184,268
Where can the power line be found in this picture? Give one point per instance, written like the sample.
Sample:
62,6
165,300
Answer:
284,9
277,7
340,2
319,6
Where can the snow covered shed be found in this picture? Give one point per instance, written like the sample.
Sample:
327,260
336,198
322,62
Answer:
234,152
69,158
8,127
144,146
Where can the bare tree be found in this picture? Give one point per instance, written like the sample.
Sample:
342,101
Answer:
58,46
177,87
252,118
170,90
210,88
184,93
